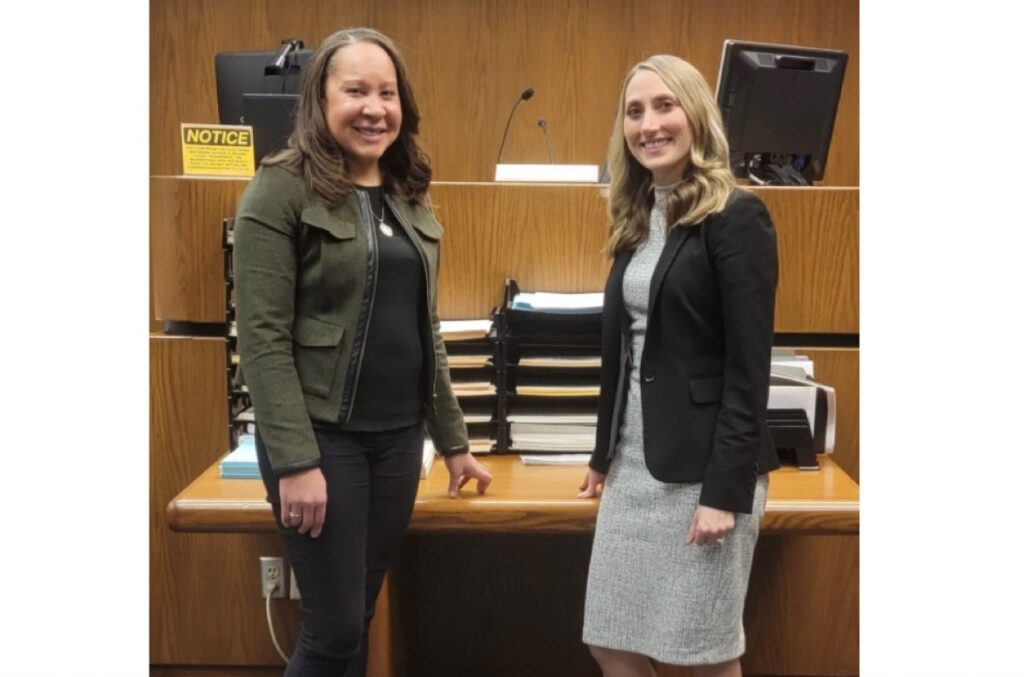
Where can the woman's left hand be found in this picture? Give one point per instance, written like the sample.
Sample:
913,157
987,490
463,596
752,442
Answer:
710,525
461,469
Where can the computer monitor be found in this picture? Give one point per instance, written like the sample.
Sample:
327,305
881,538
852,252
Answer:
272,117
779,105
240,73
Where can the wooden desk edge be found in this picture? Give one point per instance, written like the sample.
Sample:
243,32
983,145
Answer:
441,515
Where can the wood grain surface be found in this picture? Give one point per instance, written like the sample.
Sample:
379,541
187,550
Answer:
524,499
513,606
819,259
205,603
547,237
206,606
187,266
469,60
840,368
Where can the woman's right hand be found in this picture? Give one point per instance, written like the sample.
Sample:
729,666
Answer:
304,501
590,482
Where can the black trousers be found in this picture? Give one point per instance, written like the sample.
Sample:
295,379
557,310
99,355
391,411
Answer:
372,478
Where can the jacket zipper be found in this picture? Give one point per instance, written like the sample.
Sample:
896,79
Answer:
355,364
431,374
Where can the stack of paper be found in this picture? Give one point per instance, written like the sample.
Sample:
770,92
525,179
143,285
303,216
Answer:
555,459
786,361
241,463
572,431
468,361
463,330
481,446
562,361
474,389
428,457
559,437
576,418
559,390
550,302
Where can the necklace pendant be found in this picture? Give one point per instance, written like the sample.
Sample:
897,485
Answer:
386,229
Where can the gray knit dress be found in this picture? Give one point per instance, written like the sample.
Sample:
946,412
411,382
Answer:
649,592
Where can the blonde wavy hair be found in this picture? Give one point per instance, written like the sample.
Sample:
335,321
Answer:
707,180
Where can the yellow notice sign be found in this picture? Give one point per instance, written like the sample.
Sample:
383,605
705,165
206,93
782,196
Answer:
217,150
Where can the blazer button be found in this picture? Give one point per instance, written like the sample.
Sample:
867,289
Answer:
648,378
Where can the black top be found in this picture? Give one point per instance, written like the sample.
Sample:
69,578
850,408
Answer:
389,392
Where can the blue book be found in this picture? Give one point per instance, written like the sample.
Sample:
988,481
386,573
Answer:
241,463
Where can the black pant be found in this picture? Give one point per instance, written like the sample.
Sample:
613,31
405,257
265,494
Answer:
372,478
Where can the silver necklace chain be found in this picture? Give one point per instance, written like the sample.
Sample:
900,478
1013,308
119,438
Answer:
381,226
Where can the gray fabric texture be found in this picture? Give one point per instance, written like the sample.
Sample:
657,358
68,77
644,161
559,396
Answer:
649,592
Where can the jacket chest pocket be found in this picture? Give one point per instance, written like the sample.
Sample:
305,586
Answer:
429,232
317,348
337,258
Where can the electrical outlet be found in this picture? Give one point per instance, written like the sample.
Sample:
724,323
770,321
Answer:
293,589
271,572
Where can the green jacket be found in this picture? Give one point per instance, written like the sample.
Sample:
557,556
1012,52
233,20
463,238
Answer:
305,278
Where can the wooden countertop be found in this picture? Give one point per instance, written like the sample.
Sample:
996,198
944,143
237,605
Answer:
524,499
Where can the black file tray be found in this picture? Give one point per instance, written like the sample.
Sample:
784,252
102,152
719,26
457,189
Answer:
482,404
792,436
534,333
542,327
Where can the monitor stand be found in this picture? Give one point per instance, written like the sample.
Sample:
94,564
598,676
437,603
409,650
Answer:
776,175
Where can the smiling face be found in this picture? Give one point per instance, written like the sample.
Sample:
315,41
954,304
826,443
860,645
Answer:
362,107
655,127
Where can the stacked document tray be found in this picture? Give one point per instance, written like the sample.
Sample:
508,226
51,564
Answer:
471,348
552,370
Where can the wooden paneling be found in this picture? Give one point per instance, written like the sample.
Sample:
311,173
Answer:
186,220
819,259
469,59
790,601
206,606
840,368
516,606
548,237
205,603
798,622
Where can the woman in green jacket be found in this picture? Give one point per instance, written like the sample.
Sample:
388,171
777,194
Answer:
336,256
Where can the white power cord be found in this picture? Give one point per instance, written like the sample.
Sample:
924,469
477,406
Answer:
271,587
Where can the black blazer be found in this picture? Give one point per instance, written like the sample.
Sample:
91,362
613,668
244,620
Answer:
706,359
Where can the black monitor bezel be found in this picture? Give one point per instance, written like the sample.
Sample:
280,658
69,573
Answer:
230,88
731,51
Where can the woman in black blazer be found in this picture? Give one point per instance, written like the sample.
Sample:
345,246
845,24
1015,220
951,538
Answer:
682,446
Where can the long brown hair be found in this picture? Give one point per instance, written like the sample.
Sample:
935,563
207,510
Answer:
706,181
315,154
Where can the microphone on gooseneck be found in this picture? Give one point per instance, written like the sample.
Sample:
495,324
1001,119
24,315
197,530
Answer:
543,124
525,96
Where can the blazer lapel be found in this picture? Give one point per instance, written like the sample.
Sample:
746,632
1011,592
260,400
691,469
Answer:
674,242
